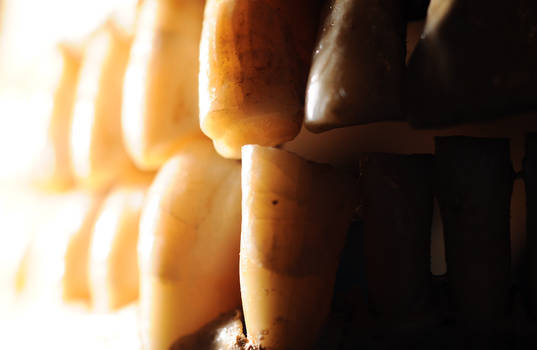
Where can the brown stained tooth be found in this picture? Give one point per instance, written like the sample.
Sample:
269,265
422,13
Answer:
357,70
476,61
474,182
397,195
530,179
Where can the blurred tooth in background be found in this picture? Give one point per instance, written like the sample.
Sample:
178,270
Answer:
36,77
160,106
57,266
42,232
295,219
113,266
254,62
75,279
52,169
189,245
16,205
97,150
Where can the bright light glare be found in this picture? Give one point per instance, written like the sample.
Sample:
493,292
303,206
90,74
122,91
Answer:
23,120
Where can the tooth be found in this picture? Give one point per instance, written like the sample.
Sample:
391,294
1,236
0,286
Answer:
295,217
357,71
475,62
75,280
53,170
189,245
57,259
254,61
113,266
58,220
160,107
97,152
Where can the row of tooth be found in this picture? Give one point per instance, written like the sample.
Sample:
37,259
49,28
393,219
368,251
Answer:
252,87
292,227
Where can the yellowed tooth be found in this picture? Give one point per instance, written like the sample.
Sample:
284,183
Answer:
57,261
113,266
97,150
189,245
160,108
53,170
75,279
254,61
295,217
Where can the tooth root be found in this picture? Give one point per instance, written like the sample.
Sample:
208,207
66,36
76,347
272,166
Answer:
397,202
295,217
254,61
474,181
160,107
189,245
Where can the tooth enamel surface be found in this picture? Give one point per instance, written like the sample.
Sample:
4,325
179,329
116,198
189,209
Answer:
189,245
254,61
160,107
295,218
113,267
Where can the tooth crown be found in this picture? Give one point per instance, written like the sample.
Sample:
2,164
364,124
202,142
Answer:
98,154
254,59
295,218
160,107
189,244
113,267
